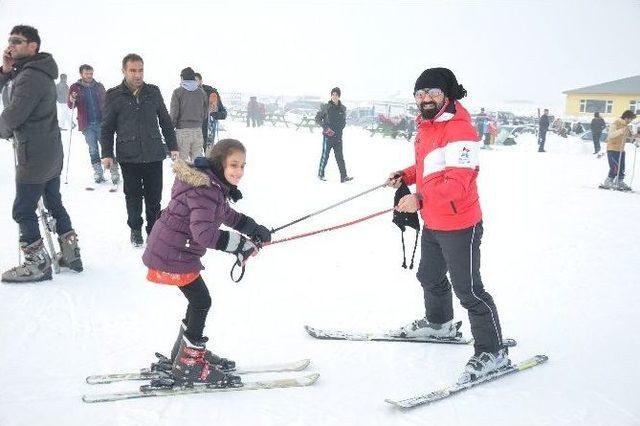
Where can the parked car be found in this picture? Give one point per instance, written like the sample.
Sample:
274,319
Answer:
587,137
507,134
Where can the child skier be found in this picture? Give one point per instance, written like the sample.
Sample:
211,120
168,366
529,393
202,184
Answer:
186,228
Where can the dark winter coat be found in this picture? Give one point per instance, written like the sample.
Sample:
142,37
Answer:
191,222
597,125
80,88
31,118
543,126
135,120
332,116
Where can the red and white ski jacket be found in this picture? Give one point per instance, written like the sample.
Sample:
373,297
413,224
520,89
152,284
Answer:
446,168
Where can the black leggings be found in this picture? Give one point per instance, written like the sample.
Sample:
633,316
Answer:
199,303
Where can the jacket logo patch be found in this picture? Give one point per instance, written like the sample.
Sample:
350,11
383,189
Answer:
464,156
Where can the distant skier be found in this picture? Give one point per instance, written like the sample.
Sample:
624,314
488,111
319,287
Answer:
332,117
543,127
62,94
597,126
619,132
445,172
88,96
30,118
186,229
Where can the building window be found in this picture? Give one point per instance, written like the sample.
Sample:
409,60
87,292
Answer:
634,106
593,105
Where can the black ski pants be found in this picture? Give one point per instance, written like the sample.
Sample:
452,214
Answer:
542,138
327,145
458,252
26,203
199,303
142,181
596,141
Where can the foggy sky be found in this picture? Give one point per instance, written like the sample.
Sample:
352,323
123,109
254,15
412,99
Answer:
501,51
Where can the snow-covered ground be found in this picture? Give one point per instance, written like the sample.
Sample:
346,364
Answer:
559,257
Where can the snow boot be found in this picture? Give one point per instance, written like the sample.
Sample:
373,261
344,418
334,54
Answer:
115,174
36,266
70,251
191,368
423,328
483,364
346,179
136,238
98,174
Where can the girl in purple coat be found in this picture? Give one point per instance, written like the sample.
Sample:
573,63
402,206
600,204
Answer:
180,237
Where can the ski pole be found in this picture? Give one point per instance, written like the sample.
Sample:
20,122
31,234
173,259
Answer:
328,208
633,170
15,169
66,175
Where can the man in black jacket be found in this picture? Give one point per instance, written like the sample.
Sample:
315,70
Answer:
543,126
30,119
133,110
332,119
597,126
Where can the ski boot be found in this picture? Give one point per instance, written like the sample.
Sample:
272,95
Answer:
115,174
165,364
423,328
621,186
484,364
191,368
608,184
36,266
70,251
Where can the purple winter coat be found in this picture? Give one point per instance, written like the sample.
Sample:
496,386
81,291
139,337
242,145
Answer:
190,223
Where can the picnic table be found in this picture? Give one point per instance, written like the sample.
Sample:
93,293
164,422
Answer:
275,118
308,122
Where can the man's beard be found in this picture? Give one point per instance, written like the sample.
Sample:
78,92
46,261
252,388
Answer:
429,114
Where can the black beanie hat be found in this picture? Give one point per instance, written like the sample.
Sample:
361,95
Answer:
188,74
337,91
442,78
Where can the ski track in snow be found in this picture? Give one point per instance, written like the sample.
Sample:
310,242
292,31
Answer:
559,260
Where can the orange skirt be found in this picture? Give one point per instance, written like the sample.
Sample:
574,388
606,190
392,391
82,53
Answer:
161,277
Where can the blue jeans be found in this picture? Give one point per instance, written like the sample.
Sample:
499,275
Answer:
616,164
92,136
26,203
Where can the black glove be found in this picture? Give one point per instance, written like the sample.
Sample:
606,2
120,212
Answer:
237,244
250,228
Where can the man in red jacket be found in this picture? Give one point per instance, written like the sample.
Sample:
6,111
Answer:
445,172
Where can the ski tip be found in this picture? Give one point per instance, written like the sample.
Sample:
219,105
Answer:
311,330
309,379
509,342
458,325
542,358
302,364
397,404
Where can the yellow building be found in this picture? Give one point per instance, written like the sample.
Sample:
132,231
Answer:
610,99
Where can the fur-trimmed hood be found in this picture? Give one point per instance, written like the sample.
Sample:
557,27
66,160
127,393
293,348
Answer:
191,175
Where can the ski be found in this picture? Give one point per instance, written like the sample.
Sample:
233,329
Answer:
616,190
146,392
384,337
448,391
148,374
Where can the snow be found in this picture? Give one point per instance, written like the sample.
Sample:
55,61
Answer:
559,258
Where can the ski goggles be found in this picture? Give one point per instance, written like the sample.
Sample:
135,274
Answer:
433,93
